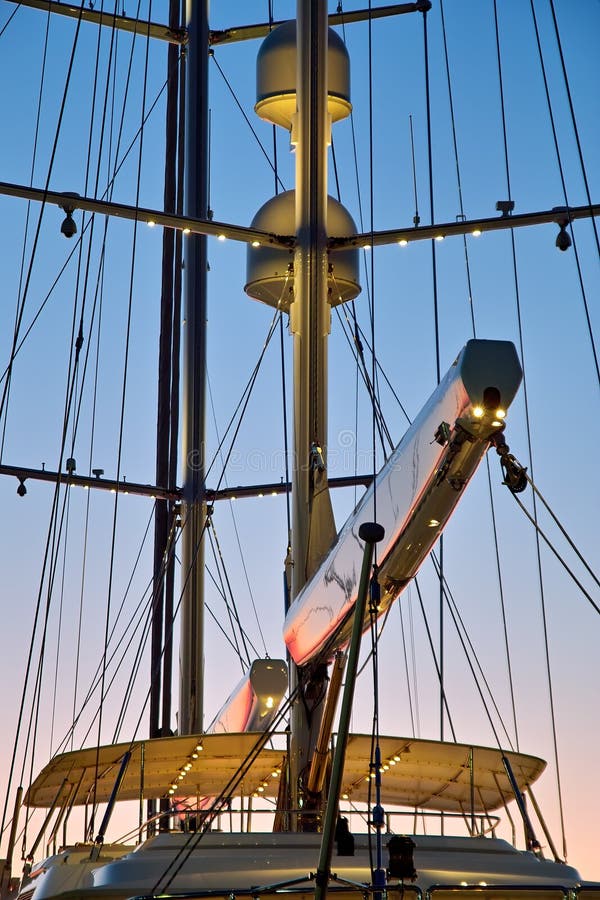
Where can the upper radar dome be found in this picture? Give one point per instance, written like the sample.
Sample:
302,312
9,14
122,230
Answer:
276,77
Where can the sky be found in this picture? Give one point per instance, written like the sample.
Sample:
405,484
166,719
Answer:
554,344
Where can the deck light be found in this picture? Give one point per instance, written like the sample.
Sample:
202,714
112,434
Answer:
151,223
221,237
478,412
187,230
500,413
439,237
256,243
433,523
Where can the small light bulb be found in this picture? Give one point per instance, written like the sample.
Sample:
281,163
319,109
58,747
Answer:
439,237
269,703
187,230
476,232
256,243
478,412
500,413
403,242
221,237
151,223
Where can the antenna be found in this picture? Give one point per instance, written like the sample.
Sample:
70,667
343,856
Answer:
416,217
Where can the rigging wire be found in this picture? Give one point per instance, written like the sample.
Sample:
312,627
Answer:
247,120
10,18
465,641
564,188
42,209
172,869
541,533
574,120
230,604
235,528
107,193
437,336
363,372
123,392
529,437
69,736
54,510
242,405
474,332
220,590
28,208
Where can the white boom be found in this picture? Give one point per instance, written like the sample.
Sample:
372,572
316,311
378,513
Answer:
416,493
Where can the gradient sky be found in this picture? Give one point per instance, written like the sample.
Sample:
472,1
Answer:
562,383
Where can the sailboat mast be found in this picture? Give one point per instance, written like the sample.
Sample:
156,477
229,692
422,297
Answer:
312,527
194,374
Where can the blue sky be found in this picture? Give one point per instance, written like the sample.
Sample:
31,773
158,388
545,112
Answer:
561,379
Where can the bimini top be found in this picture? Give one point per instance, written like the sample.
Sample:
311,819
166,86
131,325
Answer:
418,774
